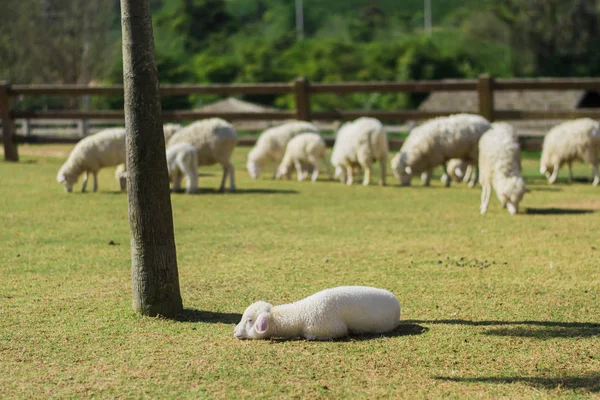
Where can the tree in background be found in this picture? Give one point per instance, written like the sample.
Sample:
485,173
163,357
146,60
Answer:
57,41
154,273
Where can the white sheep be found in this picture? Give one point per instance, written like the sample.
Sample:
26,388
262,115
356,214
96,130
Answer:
358,144
437,141
304,151
328,314
169,130
500,167
182,160
214,140
271,144
578,139
92,153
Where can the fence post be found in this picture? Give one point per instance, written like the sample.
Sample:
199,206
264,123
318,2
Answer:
301,87
8,128
485,92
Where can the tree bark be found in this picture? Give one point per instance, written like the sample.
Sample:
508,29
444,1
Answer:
153,254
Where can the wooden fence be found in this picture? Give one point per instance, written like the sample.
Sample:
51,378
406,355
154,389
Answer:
485,86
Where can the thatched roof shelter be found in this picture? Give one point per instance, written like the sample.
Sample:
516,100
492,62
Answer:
527,100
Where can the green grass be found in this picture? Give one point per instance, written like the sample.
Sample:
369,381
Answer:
493,306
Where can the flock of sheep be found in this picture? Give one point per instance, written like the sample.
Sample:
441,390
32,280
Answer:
466,146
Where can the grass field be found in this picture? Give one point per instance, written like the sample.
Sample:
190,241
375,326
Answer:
493,306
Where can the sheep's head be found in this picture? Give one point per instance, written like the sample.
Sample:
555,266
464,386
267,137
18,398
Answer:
255,323
68,180
512,193
253,169
121,176
282,170
546,170
400,170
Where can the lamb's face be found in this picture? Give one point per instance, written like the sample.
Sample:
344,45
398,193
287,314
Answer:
401,171
255,322
513,194
253,169
67,180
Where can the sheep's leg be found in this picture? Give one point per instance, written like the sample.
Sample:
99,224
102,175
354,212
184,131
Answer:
367,175
427,180
95,175
554,175
448,181
468,173
328,166
176,178
298,167
316,164
350,173
570,164
486,191
191,175
595,173
474,176
225,171
383,166
231,170
84,184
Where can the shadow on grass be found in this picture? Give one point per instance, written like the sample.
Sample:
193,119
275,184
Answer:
539,330
546,189
588,382
192,315
557,211
404,329
205,191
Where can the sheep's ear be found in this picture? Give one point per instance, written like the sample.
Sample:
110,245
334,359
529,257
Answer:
262,323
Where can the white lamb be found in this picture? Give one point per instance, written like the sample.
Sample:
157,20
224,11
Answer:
92,153
578,139
182,160
271,145
328,314
304,150
214,140
458,170
500,167
437,141
358,144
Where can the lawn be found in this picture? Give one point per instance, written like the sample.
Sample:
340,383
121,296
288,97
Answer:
493,306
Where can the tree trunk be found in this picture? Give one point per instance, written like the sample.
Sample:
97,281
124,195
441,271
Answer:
153,255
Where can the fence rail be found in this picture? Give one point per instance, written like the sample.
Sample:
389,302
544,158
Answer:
484,86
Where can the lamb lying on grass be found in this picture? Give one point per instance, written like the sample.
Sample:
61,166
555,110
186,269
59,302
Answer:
328,314
570,141
500,167
304,152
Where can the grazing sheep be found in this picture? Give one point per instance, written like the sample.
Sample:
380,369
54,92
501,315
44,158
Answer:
271,145
92,153
214,140
304,151
358,144
182,160
437,141
328,314
578,139
500,167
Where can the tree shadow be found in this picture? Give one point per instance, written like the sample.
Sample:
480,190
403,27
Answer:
404,329
547,333
209,191
193,315
538,330
588,382
557,211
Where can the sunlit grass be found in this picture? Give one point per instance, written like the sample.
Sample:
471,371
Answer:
492,306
